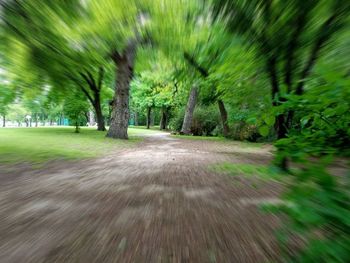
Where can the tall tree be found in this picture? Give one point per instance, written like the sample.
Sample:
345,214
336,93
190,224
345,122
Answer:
56,51
124,63
289,37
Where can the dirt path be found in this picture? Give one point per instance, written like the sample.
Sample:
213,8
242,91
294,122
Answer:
158,202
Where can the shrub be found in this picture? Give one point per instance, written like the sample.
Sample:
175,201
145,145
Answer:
243,131
318,201
176,120
206,121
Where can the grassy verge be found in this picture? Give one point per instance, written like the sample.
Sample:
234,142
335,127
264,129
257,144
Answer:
38,145
252,171
152,128
201,138
220,139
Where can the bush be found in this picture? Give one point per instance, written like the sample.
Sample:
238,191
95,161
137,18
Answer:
243,131
75,108
317,203
176,120
206,121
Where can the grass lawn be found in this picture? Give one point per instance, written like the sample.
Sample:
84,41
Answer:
206,138
263,172
221,139
38,145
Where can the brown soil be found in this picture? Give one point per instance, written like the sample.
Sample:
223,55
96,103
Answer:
157,202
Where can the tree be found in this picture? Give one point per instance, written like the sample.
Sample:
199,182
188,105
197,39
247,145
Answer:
75,108
56,51
124,71
154,85
7,96
289,37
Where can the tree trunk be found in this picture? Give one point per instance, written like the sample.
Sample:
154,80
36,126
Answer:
280,126
99,116
223,113
36,120
77,130
120,109
163,119
3,121
149,109
191,104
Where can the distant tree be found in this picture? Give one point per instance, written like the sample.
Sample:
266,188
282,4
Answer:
7,96
75,108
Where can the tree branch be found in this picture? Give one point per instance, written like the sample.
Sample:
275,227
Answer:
192,62
292,47
329,27
101,73
87,78
87,94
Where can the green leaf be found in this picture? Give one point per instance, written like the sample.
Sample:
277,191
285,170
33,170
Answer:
264,130
270,120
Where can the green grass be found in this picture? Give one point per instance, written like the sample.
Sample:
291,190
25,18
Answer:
263,172
152,128
142,130
200,138
219,139
38,145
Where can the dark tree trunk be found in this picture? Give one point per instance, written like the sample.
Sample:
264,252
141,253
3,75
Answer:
94,96
164,119
99,116
280,126
149,111
3,121
223,113
36,120
120,109
77,129
191,104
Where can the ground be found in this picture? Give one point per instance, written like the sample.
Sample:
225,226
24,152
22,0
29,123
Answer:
162,199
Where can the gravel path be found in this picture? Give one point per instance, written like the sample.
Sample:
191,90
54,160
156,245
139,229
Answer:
157,202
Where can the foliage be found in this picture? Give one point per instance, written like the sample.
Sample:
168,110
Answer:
280,67
205,121
76,109
319,198
317,210
16,113
7,94
324,121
